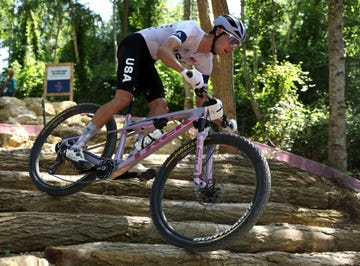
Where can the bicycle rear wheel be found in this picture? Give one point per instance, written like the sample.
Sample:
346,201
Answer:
204,219
49,170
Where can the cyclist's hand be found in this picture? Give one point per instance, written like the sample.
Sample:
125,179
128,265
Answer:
194,78
231,126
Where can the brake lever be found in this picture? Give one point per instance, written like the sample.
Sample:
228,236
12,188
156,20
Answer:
199,93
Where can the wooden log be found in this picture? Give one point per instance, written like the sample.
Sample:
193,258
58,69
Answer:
311,197
33,231
110,253
106,253
282,174
34,201
30,231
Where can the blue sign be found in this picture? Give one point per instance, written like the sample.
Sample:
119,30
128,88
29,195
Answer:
58,86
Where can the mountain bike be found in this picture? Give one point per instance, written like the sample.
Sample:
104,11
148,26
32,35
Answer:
209,191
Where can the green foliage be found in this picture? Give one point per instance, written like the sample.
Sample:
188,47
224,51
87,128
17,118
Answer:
144,14
173,85
353,141
352,82
29,77
312,141
352,29
5,249
284,115
295,114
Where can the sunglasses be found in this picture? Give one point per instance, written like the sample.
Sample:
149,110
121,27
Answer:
233,41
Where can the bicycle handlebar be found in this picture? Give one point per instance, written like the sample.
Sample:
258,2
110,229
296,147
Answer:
225,122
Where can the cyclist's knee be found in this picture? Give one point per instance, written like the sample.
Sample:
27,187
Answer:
158,106
122,99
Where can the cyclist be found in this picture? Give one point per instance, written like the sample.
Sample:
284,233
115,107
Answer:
173,44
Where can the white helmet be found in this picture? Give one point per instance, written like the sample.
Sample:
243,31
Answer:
232,25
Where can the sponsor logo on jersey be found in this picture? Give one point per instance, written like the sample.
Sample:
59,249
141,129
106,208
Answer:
181,35
128,69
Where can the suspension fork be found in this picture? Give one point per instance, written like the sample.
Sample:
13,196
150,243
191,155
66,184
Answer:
203,131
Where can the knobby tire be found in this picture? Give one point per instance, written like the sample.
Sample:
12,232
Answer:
198,220
68,180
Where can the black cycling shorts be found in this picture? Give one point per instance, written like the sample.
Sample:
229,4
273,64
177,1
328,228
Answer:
136,71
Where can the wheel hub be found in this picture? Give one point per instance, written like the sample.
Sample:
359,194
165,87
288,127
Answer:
211,194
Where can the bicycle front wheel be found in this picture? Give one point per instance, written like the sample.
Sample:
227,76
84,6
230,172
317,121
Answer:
205,219
52,173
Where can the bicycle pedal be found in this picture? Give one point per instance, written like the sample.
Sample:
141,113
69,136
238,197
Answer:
148,174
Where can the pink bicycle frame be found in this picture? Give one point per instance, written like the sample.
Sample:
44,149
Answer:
131,128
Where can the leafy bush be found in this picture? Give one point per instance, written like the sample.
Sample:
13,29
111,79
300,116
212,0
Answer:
284,116
312,141
30,77
353,143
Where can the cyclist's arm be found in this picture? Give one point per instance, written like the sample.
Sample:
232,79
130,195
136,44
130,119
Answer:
166,54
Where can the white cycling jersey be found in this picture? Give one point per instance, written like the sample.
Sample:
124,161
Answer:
189,34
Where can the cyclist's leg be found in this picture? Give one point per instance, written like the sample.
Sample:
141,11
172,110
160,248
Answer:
75,153
129,62
121,100
157,107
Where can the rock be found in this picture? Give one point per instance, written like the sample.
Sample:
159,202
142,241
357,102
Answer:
35,104
26,112
14,140
16,112
6,101
26,118
27,260
61,106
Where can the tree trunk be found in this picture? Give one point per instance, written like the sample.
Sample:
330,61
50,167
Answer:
56,45
222,75
187,9
114,25
75,41
204,15
294,17
124,19
189,92
249,91
337,122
